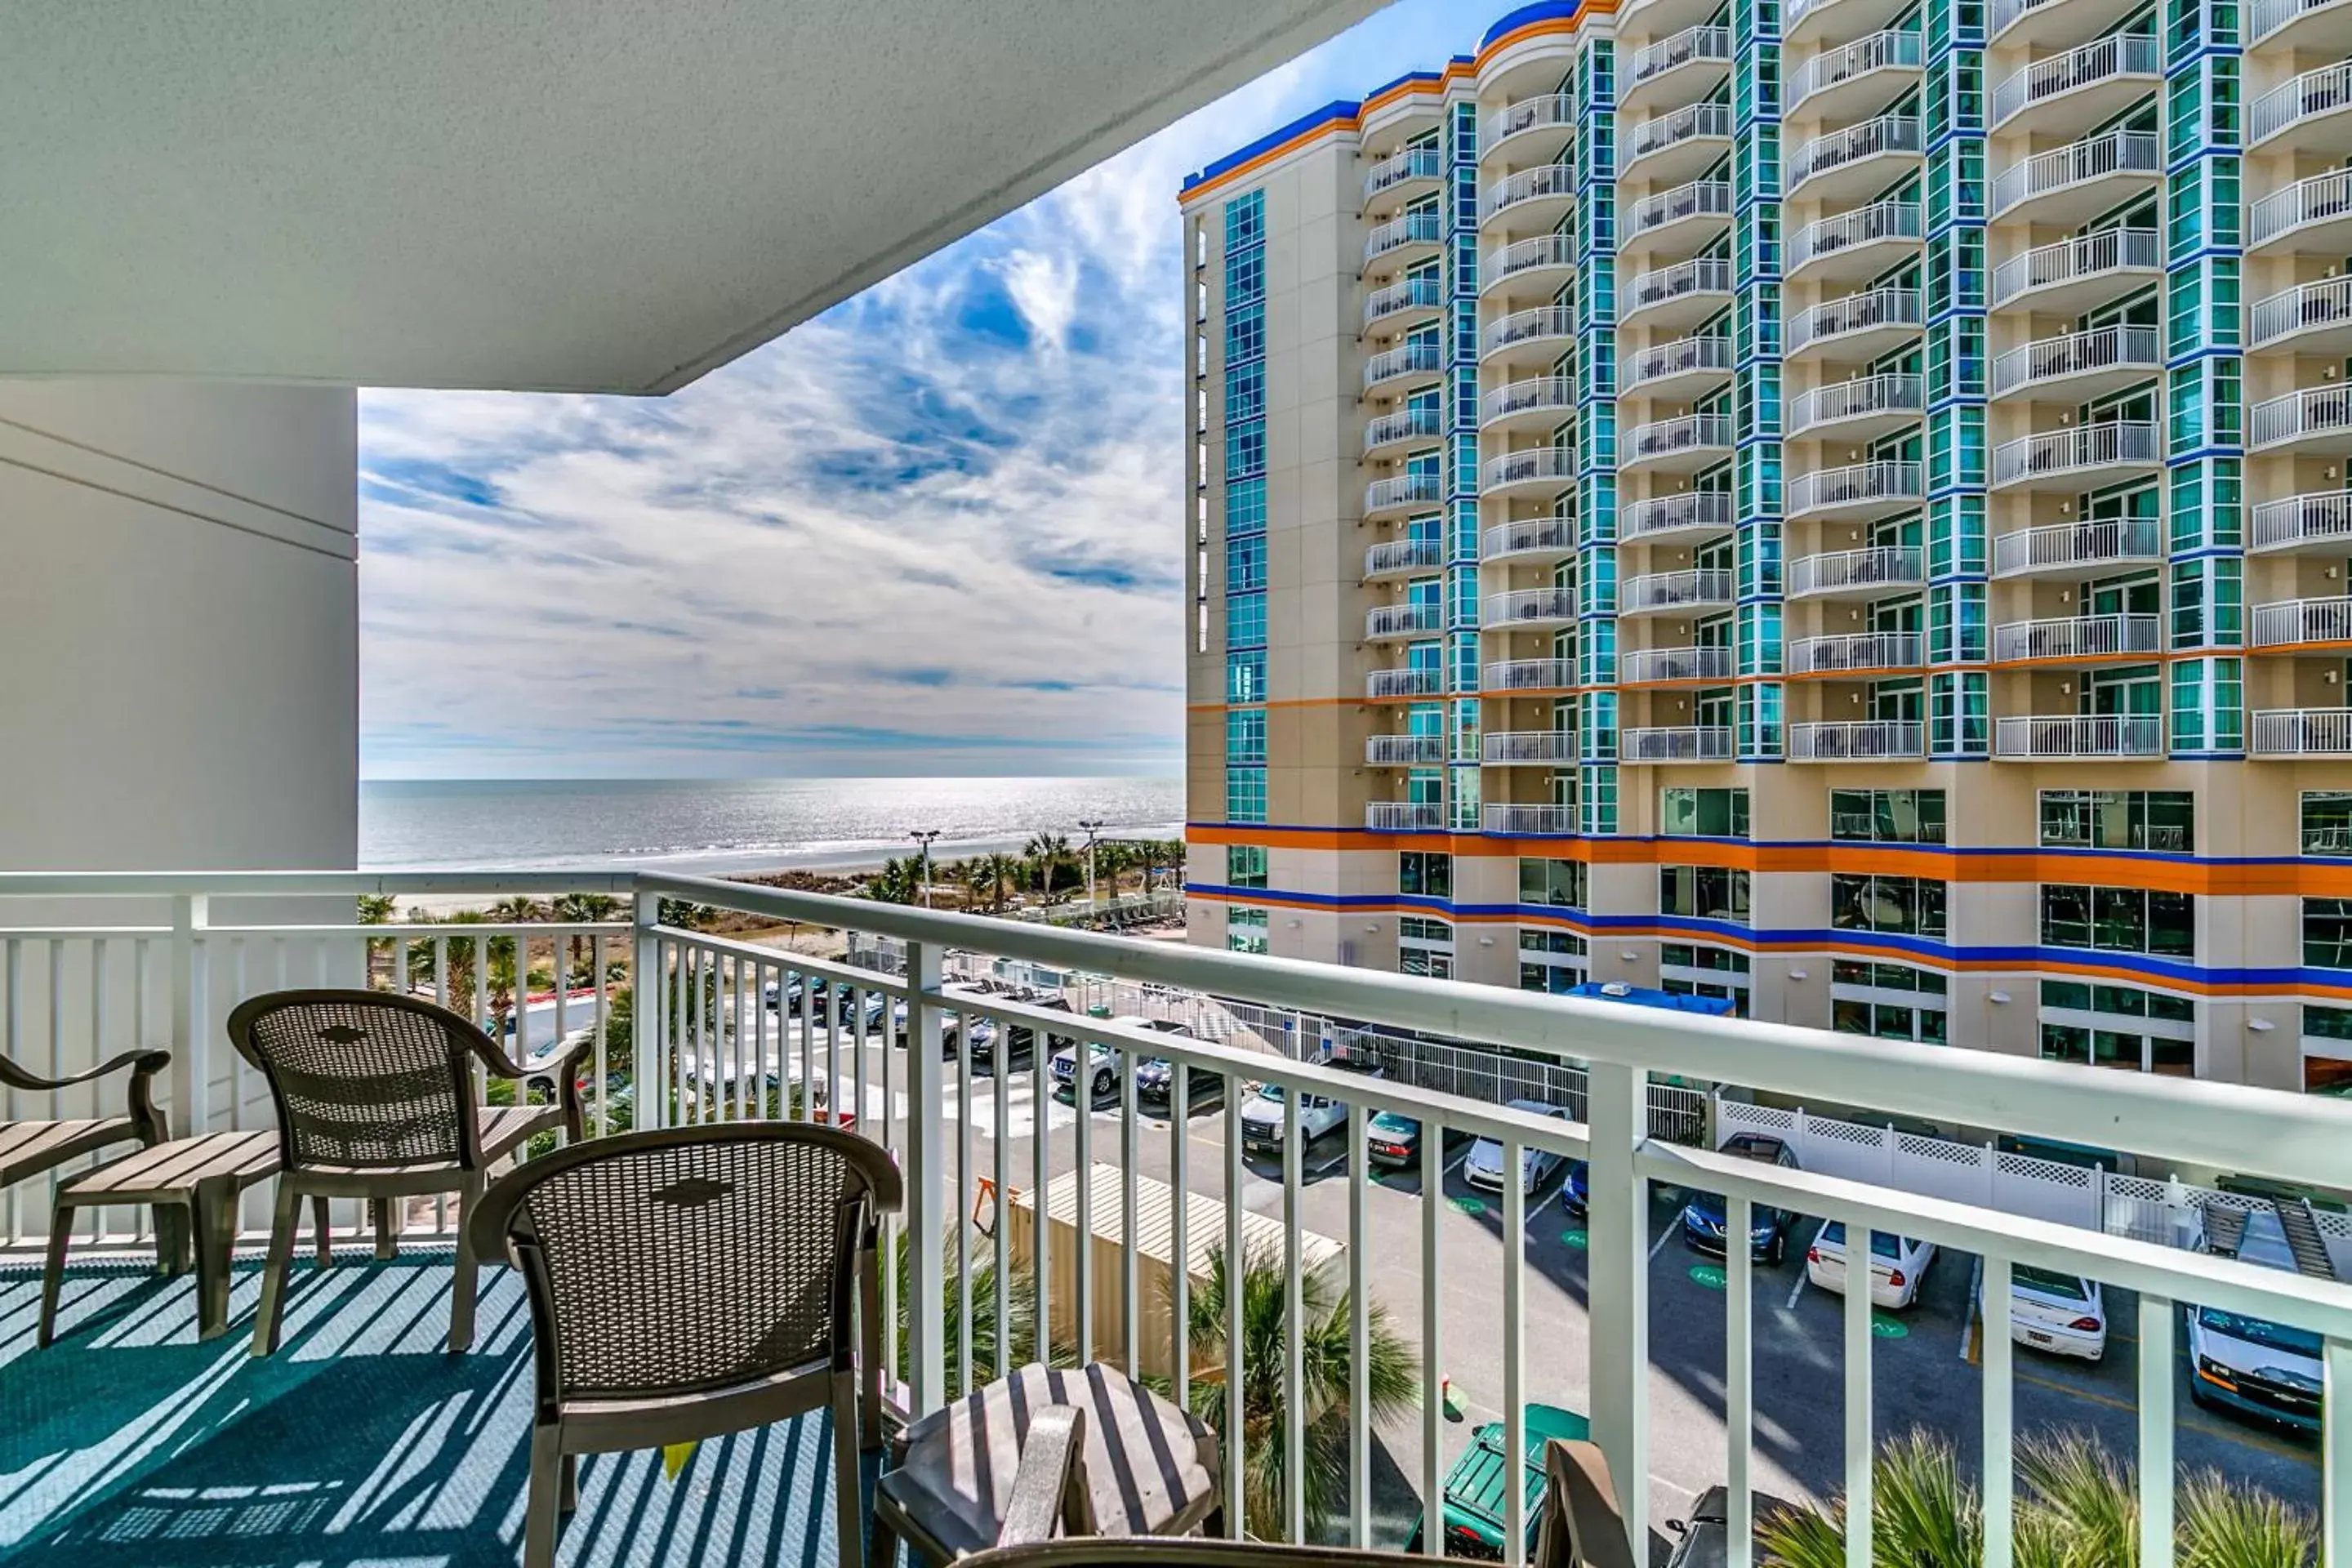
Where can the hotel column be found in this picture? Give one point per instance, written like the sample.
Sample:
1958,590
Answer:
1758,459
1594,289
1462,793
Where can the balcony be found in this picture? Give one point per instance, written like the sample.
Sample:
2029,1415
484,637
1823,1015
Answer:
1554,111
1803,19
1858,492
1842,166
1682,295
1384,433
1530,610
2075,277
2304,26
1403,816
1871,573
1392,685
1856,79
1668,593
1531,198
1677,370
1656,18
1403,750
2321,625
2081,89
1683,219
2083,457
1401,558
1505,677
1673,666
2313,107
1855,653
1392,623
1858,410
1415,237
2314,419
2046,23
1675,744
2079,639
1858,741
2070,549
2310,217
1678,446
1402,362
1530,821
1532,267
1402,493
1409,302
1683,68
1857,329
2294,733
2078,737
2311,318
1662,520
2318,525
1537,471
1529,748
1415,172
1530,541
2078,367
2068,186
1538,334
1677,145
1536,404
1855,247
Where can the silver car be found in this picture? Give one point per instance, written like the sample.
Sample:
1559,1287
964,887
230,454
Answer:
1483,1166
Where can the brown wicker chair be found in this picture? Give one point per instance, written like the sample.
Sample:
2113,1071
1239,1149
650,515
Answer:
28,1149
375,1100
689,1283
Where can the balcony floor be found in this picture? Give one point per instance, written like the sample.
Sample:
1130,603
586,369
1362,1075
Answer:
361,1441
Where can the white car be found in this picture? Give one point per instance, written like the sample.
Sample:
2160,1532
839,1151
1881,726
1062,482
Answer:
1264,1116
1897,1265
1483,1166
2061,1313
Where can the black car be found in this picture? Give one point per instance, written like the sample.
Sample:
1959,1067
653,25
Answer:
1017,1041
801,994
1155,1077
1706,1537
1706,1214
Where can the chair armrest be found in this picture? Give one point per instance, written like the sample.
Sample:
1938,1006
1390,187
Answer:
1050,1485
142,1064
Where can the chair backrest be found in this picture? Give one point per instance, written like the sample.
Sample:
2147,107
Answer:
365,1079
691,1259
1582,1526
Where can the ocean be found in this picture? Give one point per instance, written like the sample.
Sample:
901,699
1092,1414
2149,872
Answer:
739,825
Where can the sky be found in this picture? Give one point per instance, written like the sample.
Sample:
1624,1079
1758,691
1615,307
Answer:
936,530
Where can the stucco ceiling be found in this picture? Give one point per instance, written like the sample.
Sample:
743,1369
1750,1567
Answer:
575,194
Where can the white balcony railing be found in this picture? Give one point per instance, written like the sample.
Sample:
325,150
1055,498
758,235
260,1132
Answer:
2114,152
1837,149
1530,326
2313,93
1403,750
1685,433
2305,307
1550,605
1522,820
1419,681
2322,518
1700,198
1553,110
1538,746
1405,359
1690,45
2318,199
2059,545
2076,353
2079,637
1667,514
1404,424
1403,620
1856,484
1834,68
1681,356
1543,251
1691,123
2108,58
1542,182
1404,490
1536,465
1898,221
1538,395
1849,651
2067,737
2267,16
1855,313
2302,732
2071,261
1862,398
1668,590
1403,816
2108,444
1652,666
1529,675
1548,535
2290,622
2306,411
1424,291
1873,566
1704,274
1412,228
1248,1020
1858,741
1413,163
1675,744
1393,555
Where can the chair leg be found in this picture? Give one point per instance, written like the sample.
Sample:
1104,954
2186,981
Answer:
544,1515
277,1268
571,1499
321,1236
466,1273
848,1496
212,1214
53,1273
882,1545
387,1241
171,1226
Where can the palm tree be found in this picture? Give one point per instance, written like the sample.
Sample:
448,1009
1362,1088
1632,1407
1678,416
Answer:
1325,1311
583,909
376,909
898,882
516,910
1049,852
1001,873
989,1360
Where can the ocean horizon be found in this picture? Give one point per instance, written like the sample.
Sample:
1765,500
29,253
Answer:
716,825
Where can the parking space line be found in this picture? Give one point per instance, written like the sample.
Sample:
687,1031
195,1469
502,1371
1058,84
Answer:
1804,1278
2247,1437
1539,1209
1666,1233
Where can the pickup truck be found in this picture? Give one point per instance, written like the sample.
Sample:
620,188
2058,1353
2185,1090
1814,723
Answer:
2246,1365
1265,1115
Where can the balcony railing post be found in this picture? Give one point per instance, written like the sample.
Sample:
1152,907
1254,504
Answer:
191,1042
927,1216
2335,1457
1617,1230
649,1014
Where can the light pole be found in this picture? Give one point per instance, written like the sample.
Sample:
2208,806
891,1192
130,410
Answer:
924,835
1091,829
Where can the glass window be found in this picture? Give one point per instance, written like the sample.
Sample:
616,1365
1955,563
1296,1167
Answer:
1426,875
1245,563
1703,892
2119,919
2119,819
2327,822
1559,884
1245,930
1245,219
2327,933
1246,735
1244,794
1245,676
1887,816
1703,813
1245,621
1245,864
1908,906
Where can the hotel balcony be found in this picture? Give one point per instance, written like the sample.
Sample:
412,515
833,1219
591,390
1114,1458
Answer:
1842,166
1858,492
1402,493
1403,750
1530,610
1529,200
2068,186
1663,520
2054,23
2083,457
1676,371
1404,363
1678,221
1855,247
1539,470
1676,145
1401,558
2310,217
2075,277
1405,304
1682,295
2073,549
1536,337
1403,816
2316,524
1398,179
1679,446
1384,434
2079,639
1529,542
1529,748
2078,737
1536,406
1804,19
1392,246
1858,741
2077,91
1855,653
2294,733
2313,419
1669,593
2313,107
1673,666
1871,573
1508,675
1857,78
1683,69
1859,410
2078,367
1675,744
2302,26
2311,318
1551,111
1856,329
1530,821
1532,269
2317,626
1392,623
1391,685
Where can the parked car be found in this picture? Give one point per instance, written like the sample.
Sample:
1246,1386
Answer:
1897,1265
1102,1066
1155,1077
1475,1500
1265,1115
2250,1366
2061,1313
1483,1166
862,1013
1704,1540
1705,1216
780,995
1392,1139
1021,1039
952,1026
1576,1192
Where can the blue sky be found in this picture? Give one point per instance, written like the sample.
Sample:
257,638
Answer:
936,531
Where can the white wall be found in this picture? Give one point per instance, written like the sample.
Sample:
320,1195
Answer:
179,653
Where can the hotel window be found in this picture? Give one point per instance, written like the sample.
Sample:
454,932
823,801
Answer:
2327,933
1244,794
1703,813
1906,906
1245,563
1245,621
1245,676
2119,819
2118,1027
1245,332
1245,391
1888,1002
1245,450
1558,884
1245,507
1246,735
1245,274
1703,892
1887,816
1245,220
2327,1051
1425,875
2327,822
1245,930
1425,947
1245,866
1697,969
1553,962
2122,920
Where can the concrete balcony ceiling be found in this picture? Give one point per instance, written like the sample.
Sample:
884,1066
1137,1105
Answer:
562,197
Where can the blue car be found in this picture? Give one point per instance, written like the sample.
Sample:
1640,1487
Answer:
1706,1214
1576,1192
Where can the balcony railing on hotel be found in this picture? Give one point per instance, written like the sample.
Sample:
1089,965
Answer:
2103,444
1403,620
1404,424
1552,109
2267,16
1402,490
1412,228
1679,356
1540,746
1535,464
1686,433
1835,149
1404,815
2102,60
1544,250
2083,256
1849,651
1424,291
1704,274
2115,153
1530,535
1890,394
1682,49
1529,185
1529,675
2322,518
1854,485
1413,163
1403,750
2286,623
1408,682
1672,514
1700,198
1878,51
2074,354
2308,307
2064,544
1651,666
2320,198
1691,123
1666,590
1538,395
2302,732
1863,226
2314,92
1526,604
1675,744
1405,359
1392,556
1873,566
2306,411
1531,819
2079,637
1858,741
1855,313
2068,737
1527,326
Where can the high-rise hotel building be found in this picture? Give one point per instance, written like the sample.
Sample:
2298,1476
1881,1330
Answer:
1838,503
